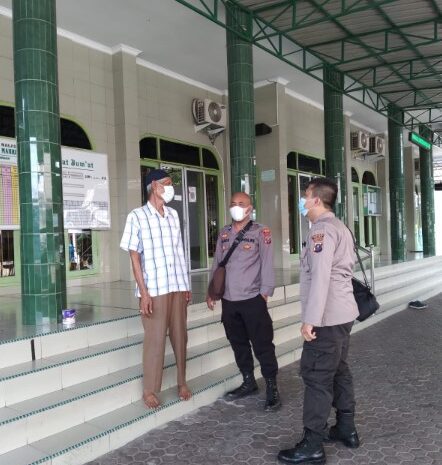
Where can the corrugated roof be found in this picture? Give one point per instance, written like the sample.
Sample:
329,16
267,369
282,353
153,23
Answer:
390,46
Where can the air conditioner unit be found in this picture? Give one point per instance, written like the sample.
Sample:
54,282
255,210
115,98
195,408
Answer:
360,141
377,145
209,112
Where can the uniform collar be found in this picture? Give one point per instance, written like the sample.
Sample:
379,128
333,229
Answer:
325,215
153,211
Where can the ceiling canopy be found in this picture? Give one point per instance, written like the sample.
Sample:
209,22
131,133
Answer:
389,51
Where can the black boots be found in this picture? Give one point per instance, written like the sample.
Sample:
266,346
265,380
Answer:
273,401
344,430
248,387
309,450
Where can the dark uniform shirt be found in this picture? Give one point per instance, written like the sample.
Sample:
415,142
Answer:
326,270
249,271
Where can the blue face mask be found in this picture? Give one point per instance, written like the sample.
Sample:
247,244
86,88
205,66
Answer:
301,206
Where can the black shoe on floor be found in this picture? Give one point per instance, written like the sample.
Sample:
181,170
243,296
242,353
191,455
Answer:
247,388
344,431
417,304
309,450
273,401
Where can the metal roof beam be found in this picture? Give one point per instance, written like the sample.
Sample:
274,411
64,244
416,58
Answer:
302,21
406,38
398,62
389,30
435,7
371,50
283,47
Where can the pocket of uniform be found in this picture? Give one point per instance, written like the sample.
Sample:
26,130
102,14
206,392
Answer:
319,359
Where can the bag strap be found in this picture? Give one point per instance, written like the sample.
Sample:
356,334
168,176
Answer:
237,240
359,257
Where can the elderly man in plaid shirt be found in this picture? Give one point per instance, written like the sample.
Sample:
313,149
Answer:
152,236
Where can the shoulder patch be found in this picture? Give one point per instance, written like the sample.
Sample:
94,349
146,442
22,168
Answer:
318,237
318,241
267,235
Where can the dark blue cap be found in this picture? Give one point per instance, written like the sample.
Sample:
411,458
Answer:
156,175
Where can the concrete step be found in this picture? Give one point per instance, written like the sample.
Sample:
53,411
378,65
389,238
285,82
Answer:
97,436
90,335
95,404
81,402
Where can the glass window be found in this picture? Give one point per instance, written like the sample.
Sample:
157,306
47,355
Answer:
354,175
7,262
293,214
145,170
212,212
80,250
148,148
73,135
7,124
309,164
368,178
179,153
291,161
209,160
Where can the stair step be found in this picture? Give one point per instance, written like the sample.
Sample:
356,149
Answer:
89,440
82,402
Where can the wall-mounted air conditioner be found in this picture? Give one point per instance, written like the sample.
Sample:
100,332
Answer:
360,141
377,146
206,111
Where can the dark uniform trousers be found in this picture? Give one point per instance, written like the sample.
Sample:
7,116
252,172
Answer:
326,375
248,321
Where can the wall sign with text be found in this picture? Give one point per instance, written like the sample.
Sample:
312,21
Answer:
85,188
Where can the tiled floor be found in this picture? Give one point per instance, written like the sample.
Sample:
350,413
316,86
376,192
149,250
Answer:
102,302
396,369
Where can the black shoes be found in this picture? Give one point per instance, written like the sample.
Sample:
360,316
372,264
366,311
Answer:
344,431
247,388
309,450
273,401
417,304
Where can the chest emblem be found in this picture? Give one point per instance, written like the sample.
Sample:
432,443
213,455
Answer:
224,235
247,246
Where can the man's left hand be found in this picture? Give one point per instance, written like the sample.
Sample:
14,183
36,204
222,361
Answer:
307,332
188,295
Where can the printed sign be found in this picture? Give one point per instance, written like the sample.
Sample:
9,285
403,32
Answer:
85,188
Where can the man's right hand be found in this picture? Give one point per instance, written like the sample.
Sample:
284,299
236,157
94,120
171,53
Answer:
210,303
146,307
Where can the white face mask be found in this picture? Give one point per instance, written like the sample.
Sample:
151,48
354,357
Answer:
238,213
168,194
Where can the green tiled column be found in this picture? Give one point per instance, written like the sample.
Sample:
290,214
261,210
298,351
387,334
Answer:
427,194
334,132
241,102
397,184
43,270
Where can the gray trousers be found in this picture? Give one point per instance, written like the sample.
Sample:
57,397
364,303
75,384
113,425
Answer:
326,375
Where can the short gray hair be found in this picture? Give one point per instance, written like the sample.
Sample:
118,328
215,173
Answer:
149,187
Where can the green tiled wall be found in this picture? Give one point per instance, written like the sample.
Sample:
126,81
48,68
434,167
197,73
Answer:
397,185
427,195
39,160
241,101
334,135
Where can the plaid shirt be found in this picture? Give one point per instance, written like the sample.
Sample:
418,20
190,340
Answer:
158,240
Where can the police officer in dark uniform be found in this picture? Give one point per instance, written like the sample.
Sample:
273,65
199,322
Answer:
249,282
328,313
